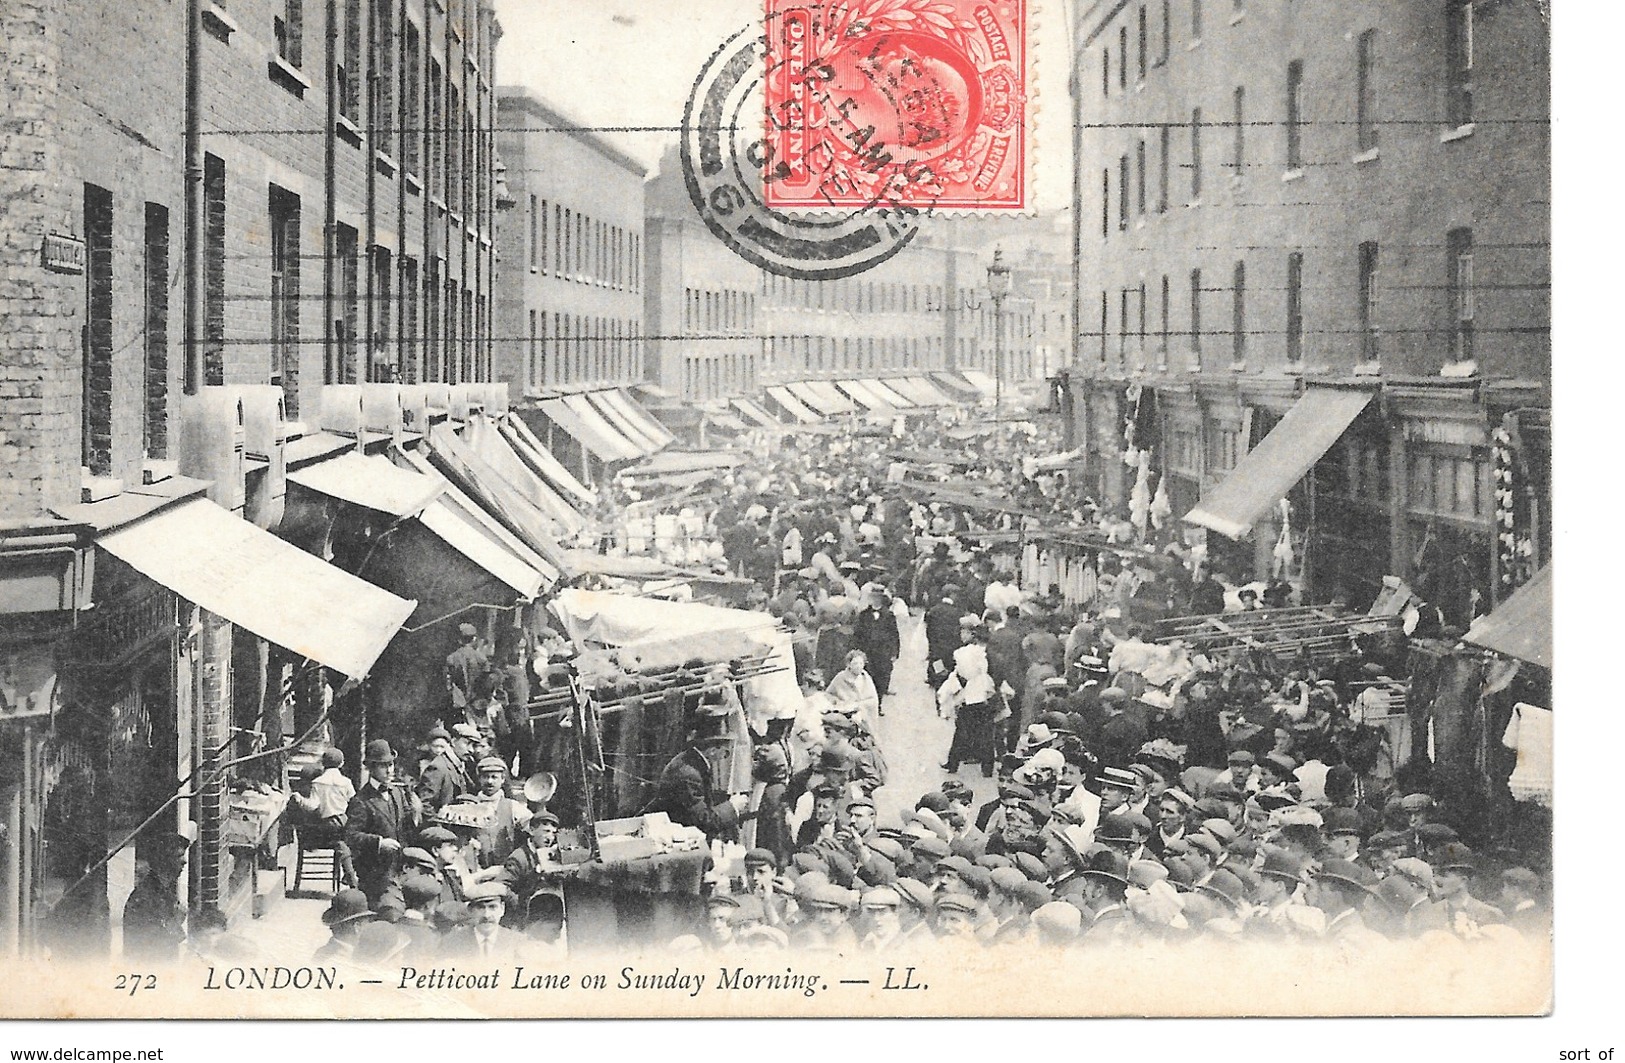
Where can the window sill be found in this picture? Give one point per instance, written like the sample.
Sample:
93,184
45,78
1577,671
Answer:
1193,45
347,131
439,204
1237,16
1369,155
413,185
288,76
218,24
1139,86
1461,132
1238,367
1368,368
1292,175
385,163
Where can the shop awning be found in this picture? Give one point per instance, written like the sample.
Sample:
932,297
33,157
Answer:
792,405
646,442
369,481
727,422
680,461
636,415
890,395
486,441
955,386
1521,626
540,459
919,390
1265,474
589,429
471,513
866,397
473,542
234,569
982,382
827,404
452,457
754,413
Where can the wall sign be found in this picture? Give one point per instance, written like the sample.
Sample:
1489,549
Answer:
63,254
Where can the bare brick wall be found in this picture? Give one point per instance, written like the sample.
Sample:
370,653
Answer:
39,383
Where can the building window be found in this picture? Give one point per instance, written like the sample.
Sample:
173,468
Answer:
1105,204
412,103
1167,31
409,320
1162,346
1144,53
432,369
1122,192
454,150
1238,121
1105,71
341,364
1462,308
383,117
1365,105
1196,21
1223,447
96,437
1196,154
155,271
433,133
1139,176
1196,319
1103,326
1451,482
284,216
289,28
381,363
1294,307
1294,115
1369,351
1459,56
1164,149
1238,314
1142,317
1122,57
1122,325
214,270
347,71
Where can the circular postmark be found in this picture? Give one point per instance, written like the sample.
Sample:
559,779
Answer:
728,162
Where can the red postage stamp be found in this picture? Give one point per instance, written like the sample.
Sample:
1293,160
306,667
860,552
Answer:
905,103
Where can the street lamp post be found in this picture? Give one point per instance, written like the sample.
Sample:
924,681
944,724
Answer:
998,286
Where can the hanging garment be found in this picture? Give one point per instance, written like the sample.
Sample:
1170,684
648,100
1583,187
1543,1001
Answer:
1529,734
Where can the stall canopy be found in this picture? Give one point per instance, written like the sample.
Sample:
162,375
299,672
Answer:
488,443
659,633
369,481
617,419
1265,474
636,415
792,405
250,577
821,395
1521,626
754,413
918,390
982,382
890,395
533,569
866,396
956,386
542,461
681,461
589,429
452,457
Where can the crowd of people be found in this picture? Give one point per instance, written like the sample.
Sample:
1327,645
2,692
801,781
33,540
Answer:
1135,789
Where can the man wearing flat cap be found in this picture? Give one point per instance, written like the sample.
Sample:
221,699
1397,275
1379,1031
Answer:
1453,870
383,816
485,938
154,918
445,778
882,920
465,667
691,789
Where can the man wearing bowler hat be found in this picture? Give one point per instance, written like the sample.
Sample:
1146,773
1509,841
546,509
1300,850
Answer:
382,817
691,789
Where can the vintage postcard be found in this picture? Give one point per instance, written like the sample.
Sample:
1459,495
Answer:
775,508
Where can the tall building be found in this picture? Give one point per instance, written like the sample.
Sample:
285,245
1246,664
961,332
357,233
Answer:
570,278
223,222
1321,230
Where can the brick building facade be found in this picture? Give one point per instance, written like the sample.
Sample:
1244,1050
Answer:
1276,197
346,193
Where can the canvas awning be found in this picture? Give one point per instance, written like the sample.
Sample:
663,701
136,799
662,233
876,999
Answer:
636,415
1521,626
617,420
488,443
866,396
474,543
238,571
982,382
539,458
369,481
754,413
824,399
1265,474
453,458
681,461
918,390
589,429
473,514
792,405
890,395
955,386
